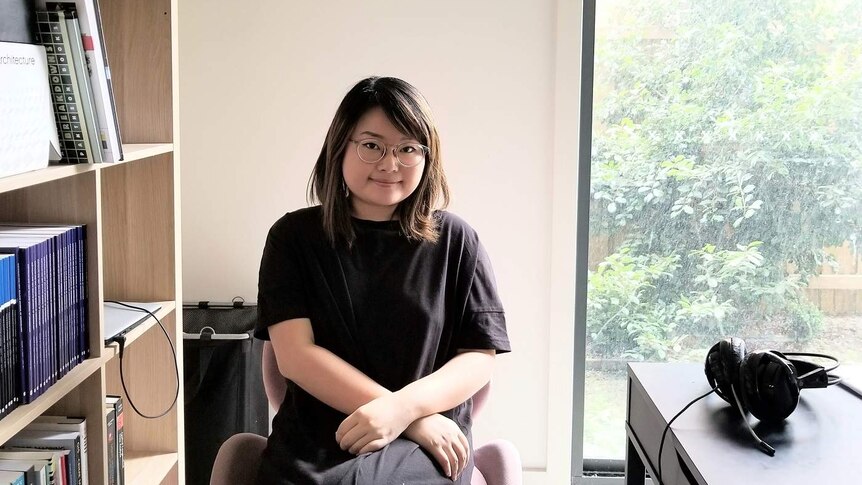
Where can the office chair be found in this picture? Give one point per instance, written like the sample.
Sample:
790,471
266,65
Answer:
496,463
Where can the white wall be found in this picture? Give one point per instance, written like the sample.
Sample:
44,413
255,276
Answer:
260,82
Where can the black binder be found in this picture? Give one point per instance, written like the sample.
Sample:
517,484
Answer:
18,21
224,392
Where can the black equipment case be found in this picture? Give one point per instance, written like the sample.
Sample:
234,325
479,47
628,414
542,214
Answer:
224,392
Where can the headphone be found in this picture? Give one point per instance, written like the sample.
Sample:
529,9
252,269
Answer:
765,383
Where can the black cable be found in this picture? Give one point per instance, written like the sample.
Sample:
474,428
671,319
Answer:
666,428
121,340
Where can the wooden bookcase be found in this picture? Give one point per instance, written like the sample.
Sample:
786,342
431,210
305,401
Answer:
132,213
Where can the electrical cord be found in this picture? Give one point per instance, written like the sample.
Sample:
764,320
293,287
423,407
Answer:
121,340
666,428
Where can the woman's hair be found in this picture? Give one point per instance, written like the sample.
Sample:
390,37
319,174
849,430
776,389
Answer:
408,110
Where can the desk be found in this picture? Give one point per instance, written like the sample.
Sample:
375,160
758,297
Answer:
820,443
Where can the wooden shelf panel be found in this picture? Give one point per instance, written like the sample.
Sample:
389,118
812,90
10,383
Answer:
131,153
146,467
143,150
47,174
139,231
168,307
25,414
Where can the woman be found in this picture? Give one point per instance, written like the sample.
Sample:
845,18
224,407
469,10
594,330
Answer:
382,311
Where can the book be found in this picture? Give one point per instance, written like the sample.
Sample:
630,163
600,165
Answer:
35,472
9,370
52,335
28,132
63,475
90,23
53,440
116,403
35,349
67,424
71,326
9,393
53,457
17,21
68,107
82,74
12,478
111,422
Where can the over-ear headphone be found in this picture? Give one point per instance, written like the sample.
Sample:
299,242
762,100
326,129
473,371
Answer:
765,382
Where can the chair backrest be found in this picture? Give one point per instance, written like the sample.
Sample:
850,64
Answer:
276,386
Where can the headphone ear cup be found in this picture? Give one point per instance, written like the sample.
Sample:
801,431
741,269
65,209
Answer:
769,387
732,355
722,366
715,372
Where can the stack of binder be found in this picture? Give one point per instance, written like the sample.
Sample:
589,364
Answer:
50,325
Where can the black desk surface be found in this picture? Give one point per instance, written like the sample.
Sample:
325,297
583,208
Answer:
820,443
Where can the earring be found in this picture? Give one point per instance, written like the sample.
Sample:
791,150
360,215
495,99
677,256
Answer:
345,189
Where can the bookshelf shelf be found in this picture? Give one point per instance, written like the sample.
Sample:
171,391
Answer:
132,153
168,307
143,150
23,415
145,468
48,174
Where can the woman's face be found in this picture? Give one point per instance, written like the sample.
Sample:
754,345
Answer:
376,189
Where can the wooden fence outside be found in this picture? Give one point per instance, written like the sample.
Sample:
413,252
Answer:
839,291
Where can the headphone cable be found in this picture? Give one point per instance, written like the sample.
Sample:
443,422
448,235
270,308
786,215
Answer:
121,340
666,428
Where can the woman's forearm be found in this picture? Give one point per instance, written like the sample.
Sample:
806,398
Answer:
332,380
450,385
318,371
341,386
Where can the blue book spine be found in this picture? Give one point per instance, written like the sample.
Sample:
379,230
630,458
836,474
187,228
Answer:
68,360
83,291
53,325
26,382
42,343
8,335
44,333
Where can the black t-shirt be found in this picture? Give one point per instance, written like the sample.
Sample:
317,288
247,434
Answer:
395,309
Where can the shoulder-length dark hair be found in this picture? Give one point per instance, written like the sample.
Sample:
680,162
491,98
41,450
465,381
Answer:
408,110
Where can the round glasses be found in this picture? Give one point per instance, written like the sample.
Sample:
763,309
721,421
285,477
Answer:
408,154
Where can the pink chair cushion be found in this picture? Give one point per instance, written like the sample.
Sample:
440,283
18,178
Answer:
480,398
477,478
238,459
499,463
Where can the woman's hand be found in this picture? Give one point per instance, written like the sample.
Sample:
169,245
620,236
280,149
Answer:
373,425
441,437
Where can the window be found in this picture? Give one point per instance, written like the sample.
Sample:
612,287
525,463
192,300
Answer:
725,187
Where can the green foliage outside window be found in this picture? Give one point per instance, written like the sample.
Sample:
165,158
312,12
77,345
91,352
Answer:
727,150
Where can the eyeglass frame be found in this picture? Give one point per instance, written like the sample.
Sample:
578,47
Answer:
425,151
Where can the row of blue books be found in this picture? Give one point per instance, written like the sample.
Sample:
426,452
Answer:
43,281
